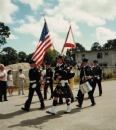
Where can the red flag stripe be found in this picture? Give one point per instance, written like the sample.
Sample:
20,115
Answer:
69,45
41,50
44,44
39,46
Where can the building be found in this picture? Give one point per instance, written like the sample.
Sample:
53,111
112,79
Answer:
105,57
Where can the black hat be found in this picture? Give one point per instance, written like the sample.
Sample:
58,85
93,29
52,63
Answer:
85,60
47,63
20,69
95,61
59,57
31,62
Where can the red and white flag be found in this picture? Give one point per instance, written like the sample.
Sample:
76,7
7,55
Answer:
44,44
69,42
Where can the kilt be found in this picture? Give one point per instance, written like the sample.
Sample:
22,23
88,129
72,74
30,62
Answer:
62,91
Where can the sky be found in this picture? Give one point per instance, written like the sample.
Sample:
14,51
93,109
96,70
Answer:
91,21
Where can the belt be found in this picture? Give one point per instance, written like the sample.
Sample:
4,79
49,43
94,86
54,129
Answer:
47,77
33,81
64,81
96,75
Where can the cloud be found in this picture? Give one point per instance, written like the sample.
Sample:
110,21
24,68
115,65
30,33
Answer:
34,4
104,34
30,18
58,28
7,9
12,37
21,21
35,43
92,12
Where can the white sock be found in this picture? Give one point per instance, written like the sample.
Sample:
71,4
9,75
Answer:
53,109
68,108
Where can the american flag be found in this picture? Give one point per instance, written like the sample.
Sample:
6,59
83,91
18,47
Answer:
44,44
69,41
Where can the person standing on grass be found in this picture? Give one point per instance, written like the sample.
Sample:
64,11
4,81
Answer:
21,82
10,82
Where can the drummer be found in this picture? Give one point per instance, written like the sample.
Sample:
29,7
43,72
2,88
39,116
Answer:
85,75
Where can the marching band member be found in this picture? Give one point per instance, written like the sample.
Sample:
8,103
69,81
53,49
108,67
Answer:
97,72
62,88
85,75
59,66
34,77
48,80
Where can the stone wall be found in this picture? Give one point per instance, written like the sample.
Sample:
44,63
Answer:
25,67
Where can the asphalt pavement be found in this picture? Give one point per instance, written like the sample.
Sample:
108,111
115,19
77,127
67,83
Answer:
99,117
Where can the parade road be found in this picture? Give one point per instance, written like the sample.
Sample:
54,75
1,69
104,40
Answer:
99,117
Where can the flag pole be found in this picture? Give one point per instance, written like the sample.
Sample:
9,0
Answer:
66,39
43,17
45,21
71,31
72,36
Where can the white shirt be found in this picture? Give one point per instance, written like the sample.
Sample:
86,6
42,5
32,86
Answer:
2,73
44,72
21,75
10,77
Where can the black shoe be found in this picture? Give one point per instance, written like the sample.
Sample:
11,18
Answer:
60,102
76,97
72,100
66,112
1,101
50,113
24,109
5,100
93,104
41,108
79,106
50,98
100,94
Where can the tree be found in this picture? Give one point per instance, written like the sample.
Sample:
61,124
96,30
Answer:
96,46
111,44
9,56
114,43
29,57
50,55
22,56
79,47
4,33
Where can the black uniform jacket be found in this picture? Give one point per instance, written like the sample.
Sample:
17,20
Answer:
64,72
97,71
85,71
34,74
49,75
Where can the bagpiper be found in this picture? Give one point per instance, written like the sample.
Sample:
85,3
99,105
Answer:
62,88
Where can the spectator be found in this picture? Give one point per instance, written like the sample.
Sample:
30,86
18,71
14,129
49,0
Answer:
10,82
21,77
3,83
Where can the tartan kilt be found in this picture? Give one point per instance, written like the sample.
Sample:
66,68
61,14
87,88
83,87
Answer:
62,91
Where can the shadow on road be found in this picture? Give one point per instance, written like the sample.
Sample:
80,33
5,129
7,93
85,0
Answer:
40,120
